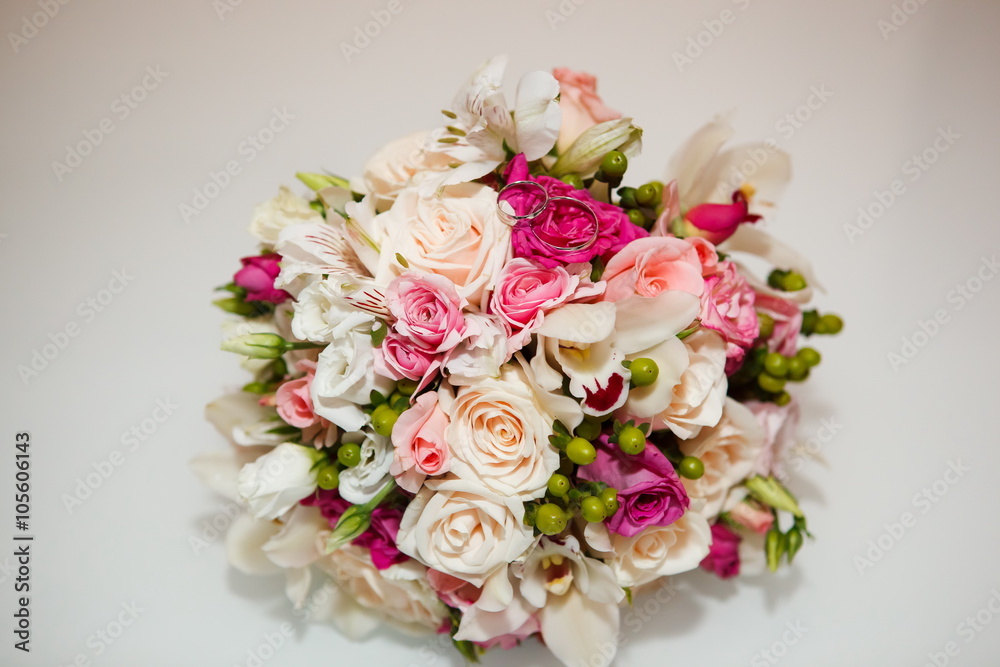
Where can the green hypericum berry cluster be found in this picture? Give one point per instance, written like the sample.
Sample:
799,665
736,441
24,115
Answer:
788,281
643,204
594,501
824,325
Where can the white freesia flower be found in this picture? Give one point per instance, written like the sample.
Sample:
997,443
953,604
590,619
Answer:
728,450
362,482
660,551
272,216
499,436
345,377
364,594
484,122
458,236
278,480
324,313
399,164
458,527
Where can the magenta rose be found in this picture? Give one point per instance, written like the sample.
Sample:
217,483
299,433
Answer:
565,226
727,306
724,555
787,318
649,491
397,358
427,311
257,278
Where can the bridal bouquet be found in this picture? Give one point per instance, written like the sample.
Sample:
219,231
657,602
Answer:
496,392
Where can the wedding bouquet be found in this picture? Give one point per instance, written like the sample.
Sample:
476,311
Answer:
496,392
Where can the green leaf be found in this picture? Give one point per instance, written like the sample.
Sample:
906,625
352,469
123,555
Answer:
378,333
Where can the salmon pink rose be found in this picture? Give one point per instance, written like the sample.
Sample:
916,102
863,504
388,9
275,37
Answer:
293,399
581,106
421,448
653,265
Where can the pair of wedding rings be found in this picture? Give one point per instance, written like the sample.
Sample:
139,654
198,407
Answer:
541,211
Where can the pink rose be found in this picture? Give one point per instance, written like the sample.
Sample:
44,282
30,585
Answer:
706,253
649,491
453,591
421,449
727,306
563,225
293,398
398,358
724,555
257,278
427,311
780,424
581,106
751,516
653,265
787,318
717,222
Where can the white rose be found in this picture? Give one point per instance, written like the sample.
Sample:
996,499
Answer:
661,551
499,436
458,235
457,527
399,594
697,399
323,314
345,377
361,483
400,163
729,452
276,481
270,217
481,354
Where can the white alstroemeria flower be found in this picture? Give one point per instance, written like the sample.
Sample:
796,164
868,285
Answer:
728,450
243,420
324,311
660,551
345,377
285,210
275,482
362,482
314,249
480,122
577,599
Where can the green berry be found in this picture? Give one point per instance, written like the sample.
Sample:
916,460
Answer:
328,477
550,519
349,455
609,497
783,399
581,452
588,429
691,467
776,364
810,319
398,402
406,387
559,485
646,195
776,277
793,282
766,325
832,323
637,217
383,419
810,356
574,181
770,384
627,198
593,510
644,372
798,370
631,440
614,165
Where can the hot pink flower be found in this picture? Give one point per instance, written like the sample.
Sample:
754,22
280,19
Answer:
427,311
724,555
727,306
717,222
257,278
293,398
787,318
380,538
581,106
649,490
653,265
752,517
565,226
421,449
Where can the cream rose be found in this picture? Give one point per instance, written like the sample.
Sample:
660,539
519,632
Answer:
661,551
729,451
399,594
457,235
270,217
399,164
698,398
499,436
458,527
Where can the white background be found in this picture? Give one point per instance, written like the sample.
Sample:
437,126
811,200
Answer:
897,429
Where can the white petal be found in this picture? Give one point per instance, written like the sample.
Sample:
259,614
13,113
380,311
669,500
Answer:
576,629
689,163
353,620
642,322
233,414
580,322
756,241
537,114
591,146
295,544
244,545
219,470
298,581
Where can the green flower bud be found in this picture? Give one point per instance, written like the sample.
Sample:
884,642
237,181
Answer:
351,525
320,181
772,493
774,548
257,346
